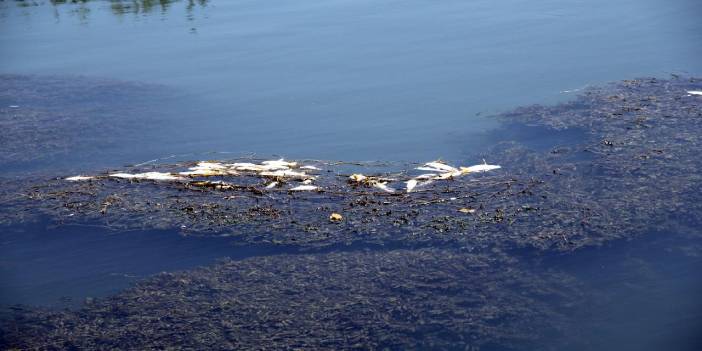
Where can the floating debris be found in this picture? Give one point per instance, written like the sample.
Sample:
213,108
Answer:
335,217
209,169
376,182
579,192
695,92
287,174
79,178
305,188
383,186
158,176
357,178
447,172
480,168
411,184
444,172
281,163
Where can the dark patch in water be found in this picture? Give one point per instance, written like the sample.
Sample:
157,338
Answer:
54,122
42,263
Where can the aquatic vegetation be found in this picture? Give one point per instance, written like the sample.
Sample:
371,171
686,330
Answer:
399,299
581,193
49,119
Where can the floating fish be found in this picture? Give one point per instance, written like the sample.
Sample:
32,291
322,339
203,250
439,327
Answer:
208,169
287,174
694,92
444,172
246,166
305,188
449,175
280,163
413,183
357,177
148,175
480,168
79,178
383,186
437,166
272,185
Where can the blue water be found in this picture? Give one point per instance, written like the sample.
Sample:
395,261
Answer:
343,80
361,80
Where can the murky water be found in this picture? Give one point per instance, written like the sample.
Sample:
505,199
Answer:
362,80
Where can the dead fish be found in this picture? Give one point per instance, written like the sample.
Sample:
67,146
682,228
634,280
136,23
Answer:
357,177
207,173
305,188
411,184
383,186
480,168
694,92
148,175
280,163
245,166
449,175
437,166
78,178
208,169
287,174
272,185
210,165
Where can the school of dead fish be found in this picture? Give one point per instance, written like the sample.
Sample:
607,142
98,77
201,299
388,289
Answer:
279,172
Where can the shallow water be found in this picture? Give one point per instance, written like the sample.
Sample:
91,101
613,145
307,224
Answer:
43,264
363,80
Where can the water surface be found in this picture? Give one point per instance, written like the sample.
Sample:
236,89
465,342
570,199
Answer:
362,80
380,80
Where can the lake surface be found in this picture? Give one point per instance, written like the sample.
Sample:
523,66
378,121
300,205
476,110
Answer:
361,80
375,80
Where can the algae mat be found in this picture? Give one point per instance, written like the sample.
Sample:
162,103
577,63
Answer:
635,169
